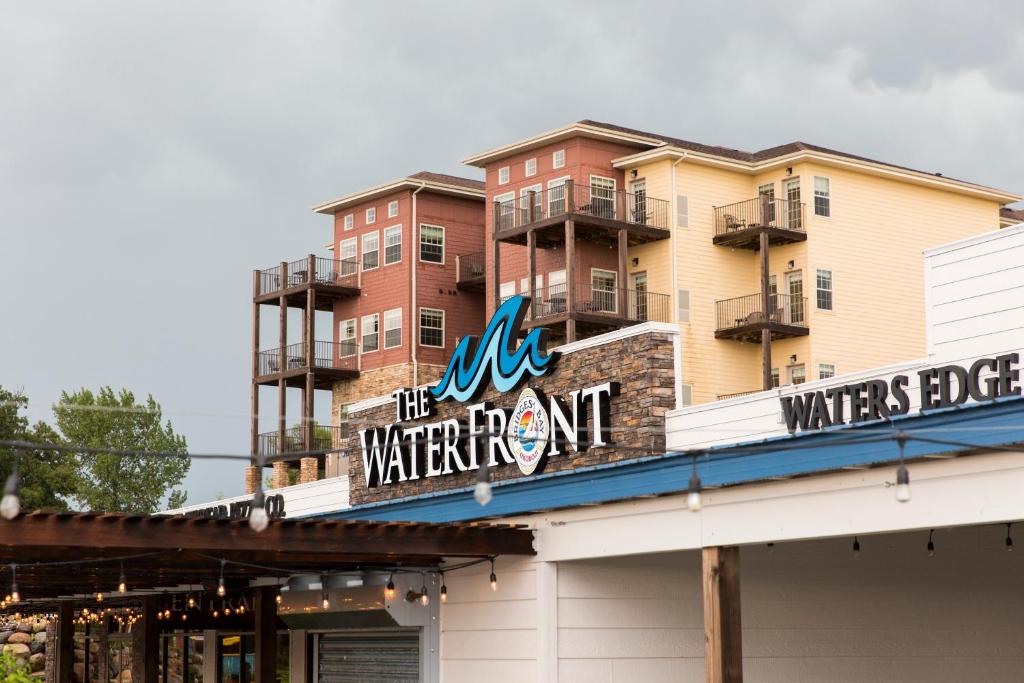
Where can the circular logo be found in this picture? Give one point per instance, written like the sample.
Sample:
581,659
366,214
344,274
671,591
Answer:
528,431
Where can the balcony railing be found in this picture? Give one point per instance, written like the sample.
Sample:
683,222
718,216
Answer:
612,302
325,438
783,309
762,212
327,355
312,270
586,200
469,266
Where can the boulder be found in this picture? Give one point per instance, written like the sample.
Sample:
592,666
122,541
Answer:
37,646
124,677
4,635
37,662
79,671
24,627
39,637
79,655
19,650
20,637
39,626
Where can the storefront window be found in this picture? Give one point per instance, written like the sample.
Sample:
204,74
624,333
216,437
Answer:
181,659
283,659
237,659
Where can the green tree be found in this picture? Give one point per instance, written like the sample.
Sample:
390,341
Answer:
48,478
116,483
14,670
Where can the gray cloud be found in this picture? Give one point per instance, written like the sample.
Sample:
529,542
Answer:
152,154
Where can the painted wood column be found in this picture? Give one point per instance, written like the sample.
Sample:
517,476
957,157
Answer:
265,628
623,255
723,652
146,643
254,394
531,269
65,641
570,278
495,258
766,312
282,343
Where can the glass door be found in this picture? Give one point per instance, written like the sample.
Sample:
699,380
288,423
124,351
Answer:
638,296
791,188
603,290
795,286
638,190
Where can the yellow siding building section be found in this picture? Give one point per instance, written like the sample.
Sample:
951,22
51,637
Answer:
872,243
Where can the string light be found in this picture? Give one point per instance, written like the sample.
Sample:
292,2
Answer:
931,544
10,505
215,614
220,582
324,600
15,595
444,590
227,611
258,518
902,475
1009,540
771,548
241,609
482,491
122,585
424,598
278,598
389,590
167,614
99,596
693,497
191,601
494,577
856,547
184,616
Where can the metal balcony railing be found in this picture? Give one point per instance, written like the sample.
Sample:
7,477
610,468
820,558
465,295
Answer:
325,438
741,311
469,266
761,212
586,200
627,304
343,355
311,270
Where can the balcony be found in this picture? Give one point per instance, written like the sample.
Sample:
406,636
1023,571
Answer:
325,438
740,225
329,280
743,318
470,272
598,214
595,309
331,361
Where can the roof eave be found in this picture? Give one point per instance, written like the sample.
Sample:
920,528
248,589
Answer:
333,206
482,159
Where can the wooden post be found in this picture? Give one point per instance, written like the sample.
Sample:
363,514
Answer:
307,394
531,270
265,627
496,260
570,279
282,343
146,643
723,652
254,393
570,196
766,333
623,255
65,641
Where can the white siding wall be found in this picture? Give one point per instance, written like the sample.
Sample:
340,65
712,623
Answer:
323,495
975,293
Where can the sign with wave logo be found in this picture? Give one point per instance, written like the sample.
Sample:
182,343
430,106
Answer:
495,356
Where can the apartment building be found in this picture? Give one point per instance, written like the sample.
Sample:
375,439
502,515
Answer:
771,262
404,283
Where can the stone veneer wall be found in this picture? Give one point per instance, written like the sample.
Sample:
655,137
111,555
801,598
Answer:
642,364
380,382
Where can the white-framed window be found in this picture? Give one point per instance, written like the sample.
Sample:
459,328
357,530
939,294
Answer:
507,289
602,196
797,374
348,249
823,286
350,221
370,325
392,208
524,284
556,196
371,215
347,338
775,378
604,290
503,175
530,167
392,328
767,190
822,196
506,210
826,370
432,327
558,158
431,243
392,245
371,250
524,203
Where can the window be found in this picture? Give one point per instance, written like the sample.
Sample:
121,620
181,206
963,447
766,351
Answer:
683,305
392,245
371,250
824,287
767,191
524,284
392,209
797,374
556,196
524,204
826,370
392,328
347,250
558,159
775,378
604,290
530,167
682,212
432,243
347,338
822,197
506,210
371,215
792,216
371,332
602,197
350,221
506,290
554,298
503,175
432,327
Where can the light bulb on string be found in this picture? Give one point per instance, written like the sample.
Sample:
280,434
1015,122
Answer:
324,599
931,543
389,589
482,492
241,609
258,518
444,590
122,584
902,475
10,504
220,581
693,498
424,598
15,595
856,547
99,596
167,614
1009,539
191,601
493,577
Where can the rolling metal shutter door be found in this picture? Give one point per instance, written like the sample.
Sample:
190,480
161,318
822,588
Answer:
384,657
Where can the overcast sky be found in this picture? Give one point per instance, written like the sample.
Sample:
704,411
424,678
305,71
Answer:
153,154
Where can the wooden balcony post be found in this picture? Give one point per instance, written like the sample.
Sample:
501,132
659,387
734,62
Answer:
570,280
531,270
254,392
307,402
766,333
496,260
723,647
570,197
265,627
282,361
146,643
532,212
623,255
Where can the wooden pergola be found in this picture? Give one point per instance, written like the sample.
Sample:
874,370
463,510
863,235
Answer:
61,560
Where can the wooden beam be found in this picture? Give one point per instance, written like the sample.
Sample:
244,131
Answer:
65,641
265,628
723,652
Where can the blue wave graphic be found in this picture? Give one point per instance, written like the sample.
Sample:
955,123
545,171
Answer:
494,355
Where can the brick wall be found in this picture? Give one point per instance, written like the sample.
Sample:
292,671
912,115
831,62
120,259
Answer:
642,364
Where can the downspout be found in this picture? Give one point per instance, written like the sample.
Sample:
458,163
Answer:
675,283
414,332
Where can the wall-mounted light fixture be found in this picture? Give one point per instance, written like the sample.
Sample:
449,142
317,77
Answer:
790,264
792,359
632,174
636,261
789,170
